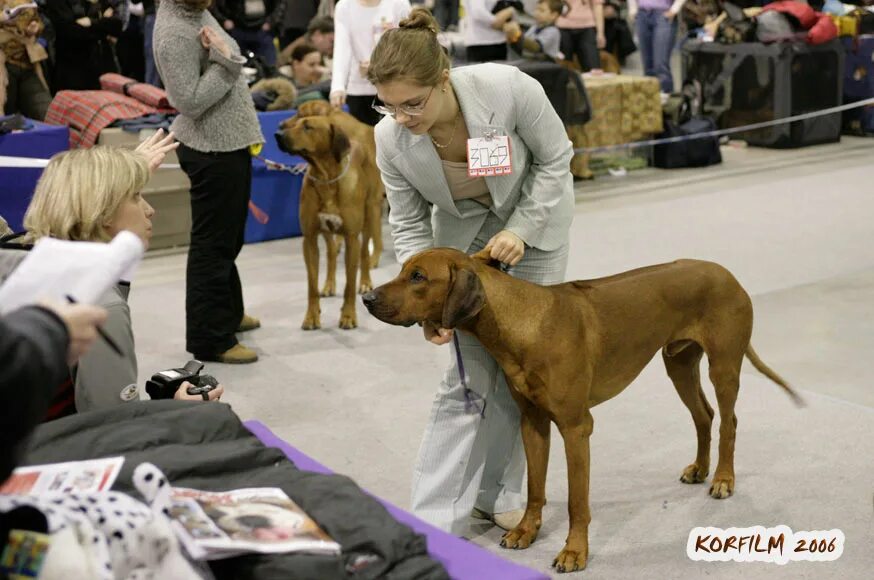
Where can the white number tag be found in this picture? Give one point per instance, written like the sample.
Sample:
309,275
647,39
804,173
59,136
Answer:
488,156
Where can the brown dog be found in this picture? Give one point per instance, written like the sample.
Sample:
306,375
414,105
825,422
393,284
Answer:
341,195
601,334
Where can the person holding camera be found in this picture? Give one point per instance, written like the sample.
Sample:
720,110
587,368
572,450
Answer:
91,195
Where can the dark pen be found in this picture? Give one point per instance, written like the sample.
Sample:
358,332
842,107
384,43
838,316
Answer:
101,332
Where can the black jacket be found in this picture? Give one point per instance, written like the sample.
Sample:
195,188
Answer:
33,362
204,446
82,54
235,11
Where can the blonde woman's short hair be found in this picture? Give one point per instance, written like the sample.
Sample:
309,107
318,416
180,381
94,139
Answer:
80,192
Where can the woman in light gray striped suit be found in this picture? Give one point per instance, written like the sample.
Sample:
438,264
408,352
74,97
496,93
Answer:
469,463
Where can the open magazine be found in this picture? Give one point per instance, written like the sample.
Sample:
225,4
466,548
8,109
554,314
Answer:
215,525
73,477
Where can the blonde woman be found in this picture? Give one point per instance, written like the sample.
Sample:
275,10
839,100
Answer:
91,195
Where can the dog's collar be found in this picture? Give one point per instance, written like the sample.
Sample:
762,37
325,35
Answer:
336,179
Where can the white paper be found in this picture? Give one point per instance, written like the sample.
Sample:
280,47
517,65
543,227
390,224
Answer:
55,269
91,476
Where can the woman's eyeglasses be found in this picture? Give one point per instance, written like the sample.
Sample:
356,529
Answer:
408,110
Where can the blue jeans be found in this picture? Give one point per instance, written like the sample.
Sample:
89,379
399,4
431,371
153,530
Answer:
151,70
657,36
258,41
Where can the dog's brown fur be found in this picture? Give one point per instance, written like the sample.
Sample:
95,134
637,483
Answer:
350,207
569,347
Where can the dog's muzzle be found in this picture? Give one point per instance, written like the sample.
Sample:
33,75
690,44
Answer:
280,142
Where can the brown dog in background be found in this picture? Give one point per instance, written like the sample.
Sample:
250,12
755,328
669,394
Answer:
341,195
568,347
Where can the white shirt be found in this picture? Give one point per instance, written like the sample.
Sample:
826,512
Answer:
357,29
478,20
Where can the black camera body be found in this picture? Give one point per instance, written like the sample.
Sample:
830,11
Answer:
163,385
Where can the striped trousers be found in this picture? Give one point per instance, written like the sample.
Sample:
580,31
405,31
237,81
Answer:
465,460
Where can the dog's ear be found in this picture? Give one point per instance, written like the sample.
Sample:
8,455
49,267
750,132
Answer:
485,256
339,142
465,298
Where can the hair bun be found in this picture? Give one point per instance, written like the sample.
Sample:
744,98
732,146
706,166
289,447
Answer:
420,18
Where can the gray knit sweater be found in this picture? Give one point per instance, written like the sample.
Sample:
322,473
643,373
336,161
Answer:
216,112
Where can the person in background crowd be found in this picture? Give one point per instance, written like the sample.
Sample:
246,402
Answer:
293,18
25,89
320,33
446,13
484,37
306,66
582,32
617,33
91,195
541,41
359,24
201,68
152,76
84,45
250,23
36,345
656,23
470,461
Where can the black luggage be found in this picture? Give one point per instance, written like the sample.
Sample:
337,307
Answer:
699,152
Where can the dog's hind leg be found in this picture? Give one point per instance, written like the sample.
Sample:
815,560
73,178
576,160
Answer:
330,287
374,227
366,284
725,376
683,369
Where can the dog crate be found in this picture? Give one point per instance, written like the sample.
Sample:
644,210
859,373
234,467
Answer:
744,84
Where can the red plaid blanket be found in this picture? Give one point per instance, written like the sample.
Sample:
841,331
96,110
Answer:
89,112
145,93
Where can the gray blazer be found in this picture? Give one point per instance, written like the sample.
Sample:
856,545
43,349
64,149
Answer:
536,201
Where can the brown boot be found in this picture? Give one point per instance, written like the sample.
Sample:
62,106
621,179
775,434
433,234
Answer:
237,355
248,323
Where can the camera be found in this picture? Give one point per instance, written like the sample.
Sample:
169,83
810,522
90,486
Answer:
164,384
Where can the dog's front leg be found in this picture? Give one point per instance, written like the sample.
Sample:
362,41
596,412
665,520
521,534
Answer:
535,437
576,444
348,320
312,320
330,287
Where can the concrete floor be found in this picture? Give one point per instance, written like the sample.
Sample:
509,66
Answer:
796,229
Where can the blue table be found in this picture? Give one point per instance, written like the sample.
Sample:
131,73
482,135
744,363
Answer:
276,193
17,184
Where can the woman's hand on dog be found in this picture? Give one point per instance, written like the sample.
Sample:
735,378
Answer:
506,247
436,335
182,393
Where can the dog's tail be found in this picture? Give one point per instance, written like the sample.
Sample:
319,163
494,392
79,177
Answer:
768,372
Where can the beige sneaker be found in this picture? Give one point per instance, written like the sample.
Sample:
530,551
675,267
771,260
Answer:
248,323
237,355
504,520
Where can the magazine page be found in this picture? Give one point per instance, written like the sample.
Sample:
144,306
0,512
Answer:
215,525
72,477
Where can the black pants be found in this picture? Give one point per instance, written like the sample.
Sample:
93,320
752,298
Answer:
220,187
360,107
487,52
583,44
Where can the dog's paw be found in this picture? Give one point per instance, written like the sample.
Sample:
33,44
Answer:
365,287
311,321
519,537
723,486
329,289
694,474
348,321
569,560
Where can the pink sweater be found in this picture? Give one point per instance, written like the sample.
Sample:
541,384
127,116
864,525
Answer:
580,14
